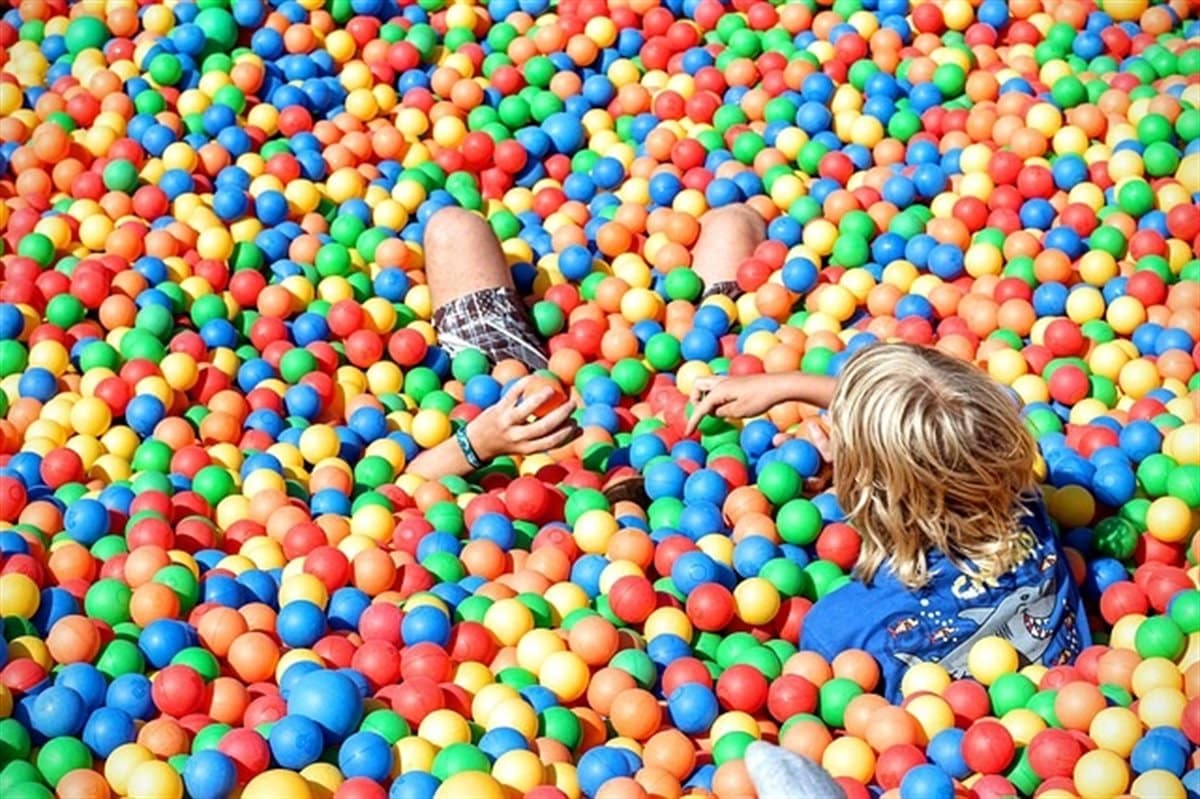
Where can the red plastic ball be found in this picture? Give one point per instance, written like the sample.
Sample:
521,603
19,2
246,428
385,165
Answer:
987,747
1053,753
840,544
632,599
791,694
1123,599
742,687
179,690
248,750
710,607
683,671
1063,338
896,761
968,699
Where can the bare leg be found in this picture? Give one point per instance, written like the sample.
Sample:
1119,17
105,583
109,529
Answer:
462,256
728,236
475,304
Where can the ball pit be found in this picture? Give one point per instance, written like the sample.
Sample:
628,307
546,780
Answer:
217,359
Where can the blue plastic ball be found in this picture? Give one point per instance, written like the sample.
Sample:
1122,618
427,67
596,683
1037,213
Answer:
693,708
329,698
927,782
209,774
106,729
58,711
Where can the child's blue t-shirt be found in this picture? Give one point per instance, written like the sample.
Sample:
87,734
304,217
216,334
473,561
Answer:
1035,606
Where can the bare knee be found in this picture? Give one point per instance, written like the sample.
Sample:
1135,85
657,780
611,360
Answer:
456,228
737,220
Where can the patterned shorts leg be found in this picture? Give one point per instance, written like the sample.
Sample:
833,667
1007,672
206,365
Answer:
493,321
727,287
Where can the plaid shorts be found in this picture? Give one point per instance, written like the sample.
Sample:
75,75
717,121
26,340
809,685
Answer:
493,321
729,288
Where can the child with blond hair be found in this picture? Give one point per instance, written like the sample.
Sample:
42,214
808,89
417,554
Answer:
934,468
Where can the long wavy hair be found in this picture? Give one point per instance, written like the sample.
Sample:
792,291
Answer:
929,453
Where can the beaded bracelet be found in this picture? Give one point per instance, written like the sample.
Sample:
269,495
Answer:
468,451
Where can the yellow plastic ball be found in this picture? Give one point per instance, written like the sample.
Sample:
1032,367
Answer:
318,442
519,770
990,658
90,416
443,727
1071,506
933,713
508,620
849,757
1183,444
1005,366
1116,729
1158,784
414,753
19,595
1085,304
1031,388
756,600
924,678
1162,707
594,530
474,784
1169,519
1138,378
565,674
1125,314
430,428
275,783
734,721
517,714
565,597
1023,724
303,586
1156,672
536,646
155,779
120,765
1100,774
1107,359
820,235
668,621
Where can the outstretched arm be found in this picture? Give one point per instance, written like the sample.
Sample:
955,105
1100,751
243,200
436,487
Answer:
751,395
503,429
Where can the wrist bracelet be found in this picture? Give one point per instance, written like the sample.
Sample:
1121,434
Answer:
468,451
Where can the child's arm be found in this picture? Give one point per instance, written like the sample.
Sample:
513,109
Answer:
502,429
751,395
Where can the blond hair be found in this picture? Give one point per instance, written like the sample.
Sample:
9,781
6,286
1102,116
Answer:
929,453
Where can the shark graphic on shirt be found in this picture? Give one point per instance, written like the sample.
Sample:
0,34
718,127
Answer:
1022,618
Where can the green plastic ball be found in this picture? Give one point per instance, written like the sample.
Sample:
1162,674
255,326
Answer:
1159,637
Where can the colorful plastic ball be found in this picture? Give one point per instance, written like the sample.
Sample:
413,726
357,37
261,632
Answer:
692,708
365,754
926,782
988,747
1100,773
296,741
155,779
330,699
277,782
58,711
209,774
991,657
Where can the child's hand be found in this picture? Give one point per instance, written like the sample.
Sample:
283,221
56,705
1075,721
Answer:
506,429
732,397
813,431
